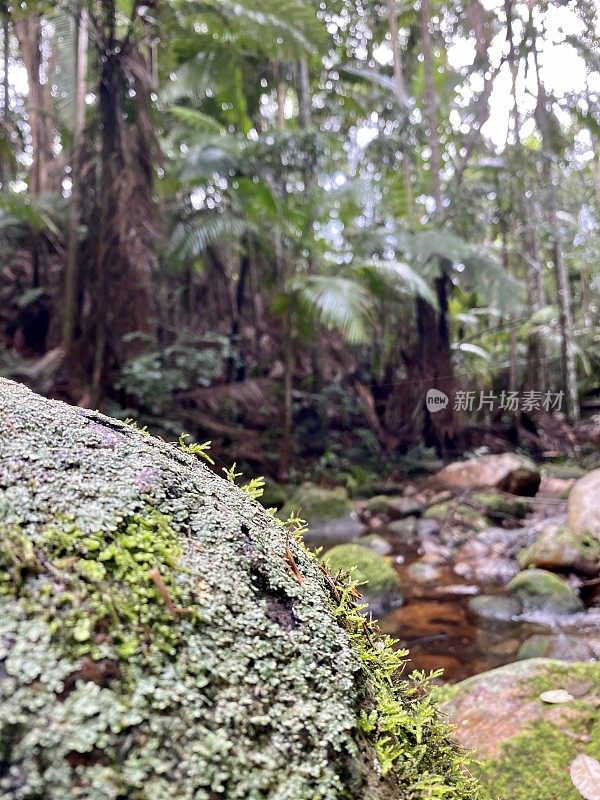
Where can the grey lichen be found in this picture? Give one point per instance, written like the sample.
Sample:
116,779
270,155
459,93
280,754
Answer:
154,642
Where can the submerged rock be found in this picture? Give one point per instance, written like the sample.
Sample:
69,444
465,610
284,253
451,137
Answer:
508,472
161,636
539,590
372,569
558,548
495,608
583,515
525,746
560,646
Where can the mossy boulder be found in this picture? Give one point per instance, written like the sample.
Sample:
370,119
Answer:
539,590
161,636
454,513
560,646
317,504
498,507
494,608
558,548
524,745
370,568
388,508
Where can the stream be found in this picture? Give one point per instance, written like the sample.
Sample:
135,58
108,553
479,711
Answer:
438,576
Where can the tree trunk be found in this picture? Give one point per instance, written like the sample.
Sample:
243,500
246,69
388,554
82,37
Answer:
72,256
6,114
402,100
431,108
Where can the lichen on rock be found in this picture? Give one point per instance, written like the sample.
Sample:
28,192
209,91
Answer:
155,641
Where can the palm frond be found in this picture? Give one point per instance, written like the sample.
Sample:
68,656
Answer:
337,302
383,276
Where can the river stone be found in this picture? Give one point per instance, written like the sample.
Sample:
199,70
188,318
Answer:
559,646
423,572
495,608
539,590
583,515
392,508
161,636
524,746
508,472
558,548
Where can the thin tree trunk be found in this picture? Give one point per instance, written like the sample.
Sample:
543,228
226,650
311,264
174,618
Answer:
288,399
71,271
431,108
402,100
6,114
563,288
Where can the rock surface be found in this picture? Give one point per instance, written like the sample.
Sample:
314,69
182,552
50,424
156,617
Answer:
539,590
162,637
583,515
508,472
558,548
524,745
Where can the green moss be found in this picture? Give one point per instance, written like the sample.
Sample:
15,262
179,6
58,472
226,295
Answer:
498,506
316,503
367,567
401,718
538,589
457,514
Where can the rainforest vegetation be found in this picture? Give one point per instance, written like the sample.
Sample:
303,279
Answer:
276,225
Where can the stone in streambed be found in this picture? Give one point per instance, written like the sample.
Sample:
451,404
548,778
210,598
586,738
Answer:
560,646
508,472
561,549
539,590
387,508
583,514
495,608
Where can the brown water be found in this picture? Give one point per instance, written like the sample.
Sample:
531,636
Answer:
435,624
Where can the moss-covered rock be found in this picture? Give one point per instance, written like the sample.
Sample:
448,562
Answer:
558,548
317,504
455,513
495,608
499,506
368,567
162,637
559,646
539,590
524,745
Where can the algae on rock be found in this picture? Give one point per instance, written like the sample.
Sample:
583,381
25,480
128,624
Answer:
155,641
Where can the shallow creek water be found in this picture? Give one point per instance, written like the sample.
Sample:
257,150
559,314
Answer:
431,618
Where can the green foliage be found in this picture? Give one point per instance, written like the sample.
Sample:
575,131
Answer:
402,722
196,449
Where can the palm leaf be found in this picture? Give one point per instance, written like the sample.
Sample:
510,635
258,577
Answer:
337,302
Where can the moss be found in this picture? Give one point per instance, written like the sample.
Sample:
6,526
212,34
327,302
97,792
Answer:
561,548
270,689
316,503
367,567
457,514
535,763
538,589
498,506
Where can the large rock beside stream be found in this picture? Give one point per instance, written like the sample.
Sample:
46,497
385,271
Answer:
525,745
583,515
508,472
161,636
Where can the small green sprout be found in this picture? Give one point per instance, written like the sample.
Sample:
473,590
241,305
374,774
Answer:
198,450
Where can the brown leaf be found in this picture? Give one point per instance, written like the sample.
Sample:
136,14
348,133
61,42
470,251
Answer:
585,774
